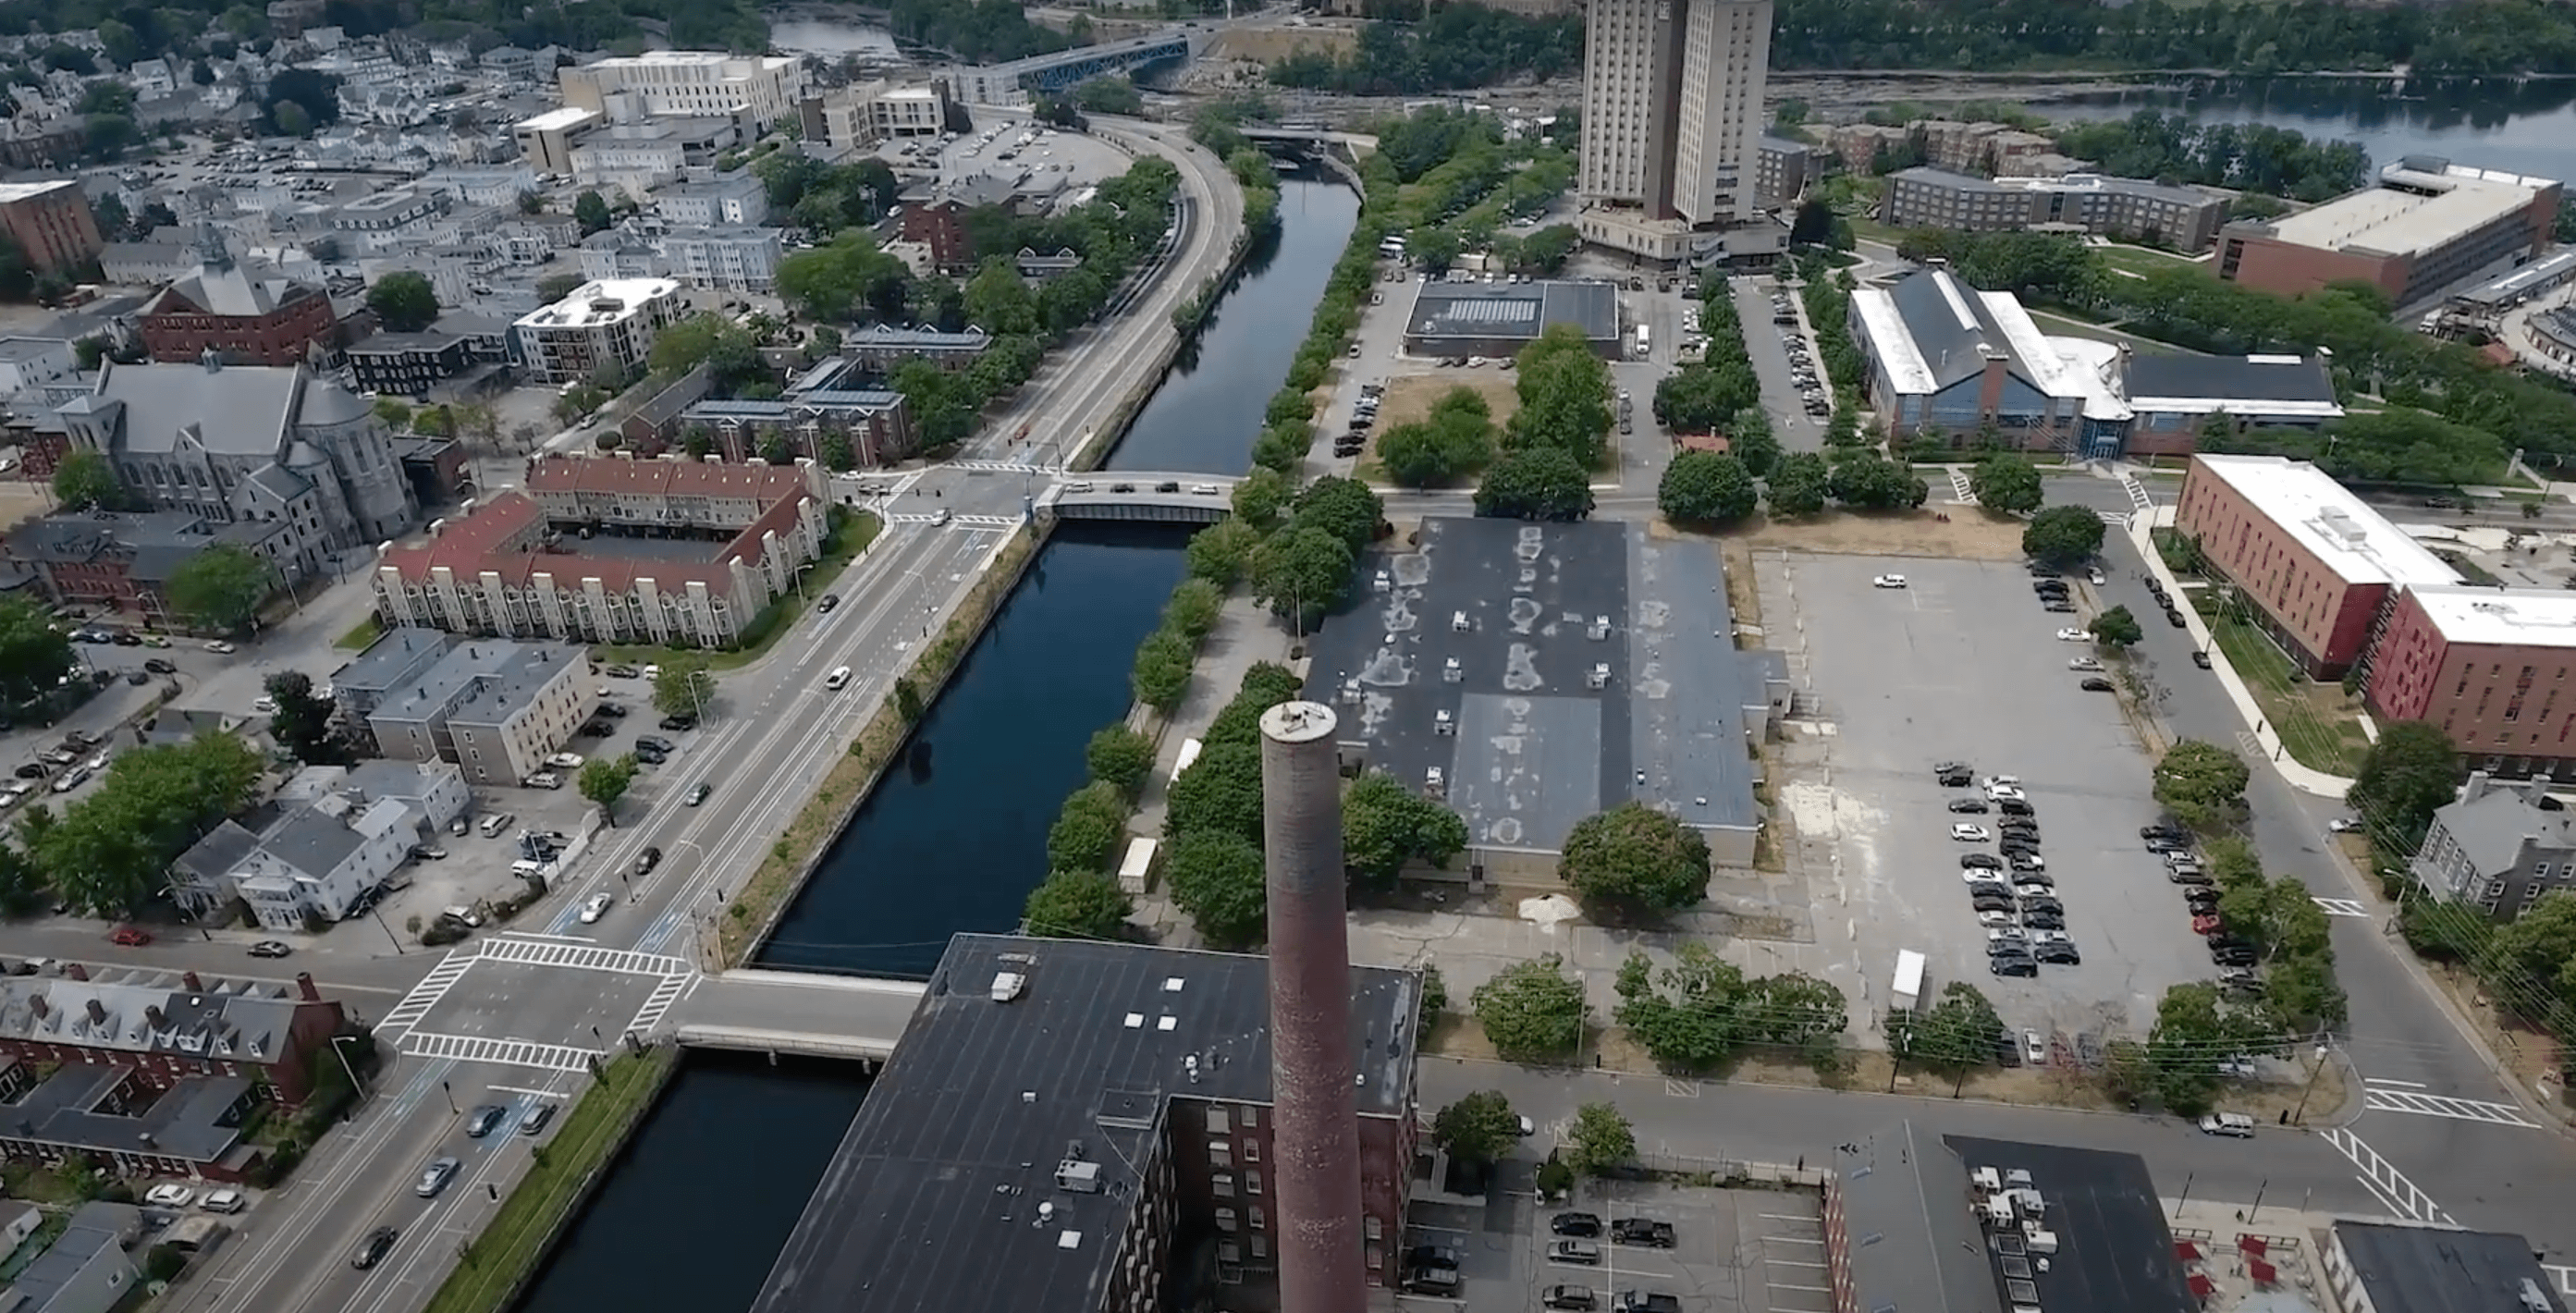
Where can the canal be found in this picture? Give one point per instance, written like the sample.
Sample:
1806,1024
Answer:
2524,126
954,839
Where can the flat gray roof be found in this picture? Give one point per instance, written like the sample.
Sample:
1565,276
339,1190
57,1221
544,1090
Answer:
2422,1269
1513,310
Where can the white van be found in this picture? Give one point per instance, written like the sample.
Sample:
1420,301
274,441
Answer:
840,676
494,823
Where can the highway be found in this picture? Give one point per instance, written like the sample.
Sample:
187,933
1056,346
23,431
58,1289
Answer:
772,735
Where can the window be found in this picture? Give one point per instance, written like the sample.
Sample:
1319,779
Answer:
1252,1151
1225,1220
1215,1120
1220,1154
1223,1184
1252,1184
2540,871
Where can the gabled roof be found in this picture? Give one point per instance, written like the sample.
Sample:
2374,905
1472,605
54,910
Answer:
235,410
2490,828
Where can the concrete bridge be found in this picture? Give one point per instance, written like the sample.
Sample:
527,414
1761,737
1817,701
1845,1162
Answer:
1309,135
805,1012
1002,84
1140,495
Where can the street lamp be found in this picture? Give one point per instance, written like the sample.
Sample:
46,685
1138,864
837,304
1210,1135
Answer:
352,1072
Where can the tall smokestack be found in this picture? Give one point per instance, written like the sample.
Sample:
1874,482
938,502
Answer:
1315,1138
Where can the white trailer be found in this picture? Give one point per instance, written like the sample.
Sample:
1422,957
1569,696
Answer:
1909,981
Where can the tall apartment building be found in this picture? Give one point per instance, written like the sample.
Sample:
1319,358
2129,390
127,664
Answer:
685,82
605,322
1672,114
51,221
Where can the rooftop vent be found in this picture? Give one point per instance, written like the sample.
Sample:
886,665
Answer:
1068,1240
1458,621
1008,985
2533,1298
2338,524
1600,628
1077,1176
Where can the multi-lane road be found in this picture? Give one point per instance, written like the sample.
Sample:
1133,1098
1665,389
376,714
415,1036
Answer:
512,1019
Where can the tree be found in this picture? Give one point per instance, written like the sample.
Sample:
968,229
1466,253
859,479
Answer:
1958,1034
1706,397
1077,905
1749,439
22,886
2007,483
1160,676
292,119
1109,95
302,722
1342,507
1532,1011
2407,774
831,282
1686,1014
998,300
109,851
1869,481
2201,782
2194,1029
1218,879
1535,483
1221,791
1121,758
1222,551
1087,830
726,348
604,780
684,687
1385,825
1814,224
2117,629
84,480
1799,484
1261,497
34,653
1456,438
1301,571
1634,857
1599,1138
2063,535
591,210
555,287
403,301
1701,487
1478,1128
220,588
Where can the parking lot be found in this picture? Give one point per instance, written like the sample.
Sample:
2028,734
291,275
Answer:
1733,1251
1962,665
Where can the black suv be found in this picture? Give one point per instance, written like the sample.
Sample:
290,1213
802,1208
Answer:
373,1249
1640,1231
1441,1256
1578,1298
1575,1224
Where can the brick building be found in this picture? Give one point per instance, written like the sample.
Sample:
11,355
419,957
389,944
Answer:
941,226
2314,566
122,561
171,1029
2427,224
52,223
242,316
2492,667
1117,1097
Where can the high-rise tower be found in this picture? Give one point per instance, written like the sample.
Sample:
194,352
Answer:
1314,1119
1672,106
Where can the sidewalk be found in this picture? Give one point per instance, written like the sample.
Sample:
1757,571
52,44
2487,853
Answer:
1245,633
2265,738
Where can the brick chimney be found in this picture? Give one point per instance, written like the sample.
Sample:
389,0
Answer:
76,971
152,1016
304,986
41,1008
195,986
97,1013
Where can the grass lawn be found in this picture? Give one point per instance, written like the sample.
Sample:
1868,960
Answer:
2140,259
509,1247
847,546
356,640
2317,723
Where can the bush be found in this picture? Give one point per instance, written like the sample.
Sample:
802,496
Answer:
1087,831
1532,1011
1078,905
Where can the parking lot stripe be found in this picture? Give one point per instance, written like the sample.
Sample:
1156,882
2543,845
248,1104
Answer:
2401,1084
2565,1277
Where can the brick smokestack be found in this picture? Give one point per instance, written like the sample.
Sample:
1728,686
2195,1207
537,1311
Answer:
1315,1124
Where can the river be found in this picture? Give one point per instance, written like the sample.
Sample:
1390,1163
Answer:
722,1169
2526,127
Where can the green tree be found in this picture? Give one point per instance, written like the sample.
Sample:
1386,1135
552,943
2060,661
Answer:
726,348
2202,783
1701,487
684,687
1221,552
2194,1029
830,282
1077,905
590,209
34,653
1121,758
292,119
220,587
1749,439
1301,571
604,780
1564,394
302,722
1869,481
998,300
83,480
2117,629
1218,879
2006,482
1161,674
1088,829
1635,858
1686,1015
2063,535
1344,508
1478,1128
2409,772
22,886
1385,825
1261,498
108,852
1532,1011
1600,1138
1799,484
1109,95
1958,1034
403,301
555,287
1220,792
2541,941
1535,483
1707,397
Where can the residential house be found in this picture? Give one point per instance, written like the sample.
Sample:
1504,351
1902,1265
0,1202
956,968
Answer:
147,264
2498,847
28,362
123,561
880,349
728,200
407,364
85,1269
733,259
495,707
317,861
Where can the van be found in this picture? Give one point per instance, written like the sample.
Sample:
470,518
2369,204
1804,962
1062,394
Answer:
839,677
2228,1123
528,869
495,823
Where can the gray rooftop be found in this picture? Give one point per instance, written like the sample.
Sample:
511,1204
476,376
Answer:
2114,1251
1534,746
19,350
932,1199
312,841
1522,310
2490,828
1915,1244
2245,378
241,410
507,690
98,1225
393,658
390,344
142,1011
457,679
1950,179
158,542
2422,1269
193,1119
219,854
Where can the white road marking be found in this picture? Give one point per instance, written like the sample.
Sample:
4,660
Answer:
426,994
2438,1105
2385,1182
2341,906
2564,1275
503,1052
2400,1084
583,957
520,1089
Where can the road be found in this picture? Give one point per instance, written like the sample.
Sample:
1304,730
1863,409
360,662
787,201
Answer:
773,734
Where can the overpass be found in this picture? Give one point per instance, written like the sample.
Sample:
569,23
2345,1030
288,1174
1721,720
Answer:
1005,84
1309,134
1140,495
806,1012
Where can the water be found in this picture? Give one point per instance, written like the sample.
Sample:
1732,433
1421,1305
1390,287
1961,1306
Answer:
722,1169
2523,127
835,37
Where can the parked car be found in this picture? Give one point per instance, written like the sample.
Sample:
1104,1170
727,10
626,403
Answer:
2235,1124
1652,1301
1575,1224
1432,1256
1579,1298
1575,1251
170,1194
225,1200
131,936
1641,1231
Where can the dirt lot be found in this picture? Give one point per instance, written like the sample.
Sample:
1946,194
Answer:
1968,534
1409,396
1265,44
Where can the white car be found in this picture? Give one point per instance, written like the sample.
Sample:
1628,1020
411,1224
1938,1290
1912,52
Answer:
220,647
170,1195
1998,781
264,705
565,761
1888,581
2072,635
2032,1049
1966,833
1994,921
2083,663
596,908
2000,792
2343,825
2095,576
226,1200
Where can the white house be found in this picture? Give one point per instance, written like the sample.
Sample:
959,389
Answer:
319,859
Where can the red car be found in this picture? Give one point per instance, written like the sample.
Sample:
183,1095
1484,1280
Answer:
2205,925
131,936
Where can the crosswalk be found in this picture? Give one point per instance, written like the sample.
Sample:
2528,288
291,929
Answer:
1962,490
2341,906
425,995
2139,502
506,1052
1005,467
664,995
2385,1183
989,521
584,957
2383,1098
